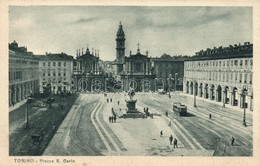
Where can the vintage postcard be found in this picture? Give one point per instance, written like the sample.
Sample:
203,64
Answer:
133,83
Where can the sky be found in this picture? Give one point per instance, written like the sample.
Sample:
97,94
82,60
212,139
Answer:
171,30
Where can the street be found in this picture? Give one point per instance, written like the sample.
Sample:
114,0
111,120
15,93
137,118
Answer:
86,131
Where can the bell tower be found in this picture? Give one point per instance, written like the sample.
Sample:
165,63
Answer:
120,48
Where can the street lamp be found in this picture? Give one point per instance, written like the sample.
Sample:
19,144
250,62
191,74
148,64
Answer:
175,82
29,100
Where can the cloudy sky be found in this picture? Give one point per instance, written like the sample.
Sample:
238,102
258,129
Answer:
171,30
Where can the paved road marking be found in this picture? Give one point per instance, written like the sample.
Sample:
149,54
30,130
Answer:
98,130
108,135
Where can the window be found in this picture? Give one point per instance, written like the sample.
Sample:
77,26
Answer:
235,62
246,62
223,63
240,78
59,63
219,63
251,62
64,64
250,80
64,74
241,62
54,74
43,63
245,79
231,62
49,74
54,63
49,63
227,63
59,74
43,74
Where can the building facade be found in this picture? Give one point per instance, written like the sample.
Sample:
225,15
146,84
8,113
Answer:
55,72
223,74
135,71
170,71
87,71
23,73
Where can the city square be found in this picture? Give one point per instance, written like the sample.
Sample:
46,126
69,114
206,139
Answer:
132,95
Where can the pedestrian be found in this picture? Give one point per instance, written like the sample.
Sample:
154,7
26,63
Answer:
161,133
209,116
109,119
118,102
232,141
112,119
166,113
54,128
175,143
171,138
111,100
115,119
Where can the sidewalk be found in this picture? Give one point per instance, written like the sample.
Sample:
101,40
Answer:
17,105
217,103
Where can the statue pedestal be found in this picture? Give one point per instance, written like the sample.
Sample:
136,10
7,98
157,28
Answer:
131,111
130,104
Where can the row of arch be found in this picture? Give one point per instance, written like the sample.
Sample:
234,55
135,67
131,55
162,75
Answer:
20,91
232,95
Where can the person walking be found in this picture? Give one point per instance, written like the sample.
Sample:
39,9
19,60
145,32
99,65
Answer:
232,141
118,102
175,143
161,133
209,116
166,113
170,139
115,119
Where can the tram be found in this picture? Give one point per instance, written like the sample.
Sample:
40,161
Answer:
180,109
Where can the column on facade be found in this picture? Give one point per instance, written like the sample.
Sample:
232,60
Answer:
210,93
194,89
10,96
190,87
14,94
216,95
205,92
250,103
22,92
96,68
231,98
19,93
147,68
199,91
223,96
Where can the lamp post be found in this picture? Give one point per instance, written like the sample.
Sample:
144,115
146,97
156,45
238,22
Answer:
175,82
29,100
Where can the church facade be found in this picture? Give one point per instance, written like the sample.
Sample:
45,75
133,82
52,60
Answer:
135,71
86,72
